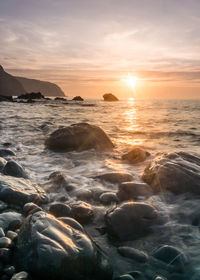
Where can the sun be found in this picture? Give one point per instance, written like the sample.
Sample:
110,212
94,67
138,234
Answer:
131,81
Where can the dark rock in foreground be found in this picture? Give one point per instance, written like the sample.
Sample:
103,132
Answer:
176,172
6,153
136,155
115,177
78,98
130,220
78,137
50,249
110,97
20,191
32,95
12,168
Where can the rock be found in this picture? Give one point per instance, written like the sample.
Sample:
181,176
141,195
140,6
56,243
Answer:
59,99
12,168
3,206
5,255
131,191
137,275
136,155
10,220
110,97
182,167
60,210
2,233
58,182
2,164
5,242
159,278
6,153
6,98
82,211
19,191
97,192
130,220
32,95
73,223
171,255
115,177
78,98
11,234
31,207
125,277
48,249
10,270
83,194
108,198
78,137
133,253
20,276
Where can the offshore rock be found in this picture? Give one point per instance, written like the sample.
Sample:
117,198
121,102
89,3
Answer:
78,98
130,220
136,155
78,137
32,95
49,249
110,97
175,172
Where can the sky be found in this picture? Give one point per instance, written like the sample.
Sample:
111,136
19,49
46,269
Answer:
88,47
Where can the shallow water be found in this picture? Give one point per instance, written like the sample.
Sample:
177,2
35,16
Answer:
156,125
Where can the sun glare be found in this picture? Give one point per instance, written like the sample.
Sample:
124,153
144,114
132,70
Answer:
131,81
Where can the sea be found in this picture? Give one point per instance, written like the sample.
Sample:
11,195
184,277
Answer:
158,126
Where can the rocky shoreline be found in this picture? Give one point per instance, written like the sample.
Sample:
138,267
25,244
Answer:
97,233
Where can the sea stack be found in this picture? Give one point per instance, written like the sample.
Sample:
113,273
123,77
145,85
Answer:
110,97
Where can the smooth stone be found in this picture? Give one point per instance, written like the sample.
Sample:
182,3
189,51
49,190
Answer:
131,191
125,277
10,220
82,211
182,167
20,276
19,191
49,249
10,271
2,233
72,222
115,177
108,198
83,194
136,155
12,168
60,210
5,242
133,253
6,153
159,278
130,220
5,255
2,163
97,192
30,207
78,137
171,255
11,234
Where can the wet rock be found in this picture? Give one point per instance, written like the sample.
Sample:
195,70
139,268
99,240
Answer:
78,98
12,168
125,277
2,163
10,220
11,234
5,255
20,276
32,95
58,182
5,242
78,137
108,198
83,194
2,233
171,255
97,192
19,191
133,253
6,153
131,190
60,99
160,278
110,97
176,172
31,207
73,223
137,275
60,210
115,177
130,220
136,155
82,211
48,249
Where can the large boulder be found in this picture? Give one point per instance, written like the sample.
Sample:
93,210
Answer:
110,97
50,249
32,95
78,137
20,191
176,172
130,220
136,155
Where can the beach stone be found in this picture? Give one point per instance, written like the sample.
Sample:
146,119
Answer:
115,177
83,194
20,276
171,255
175,172
48,249
108,198
59,181
130,220
6,153
125,277
110,97
72,222
60,210
78,137
12,168
97,192
82,211
10,220
3,206
136,155
19,191
5,242
2,163
131,190
133,253
2,233
11,234
30,207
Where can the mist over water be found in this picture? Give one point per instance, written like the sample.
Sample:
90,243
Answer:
156,125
